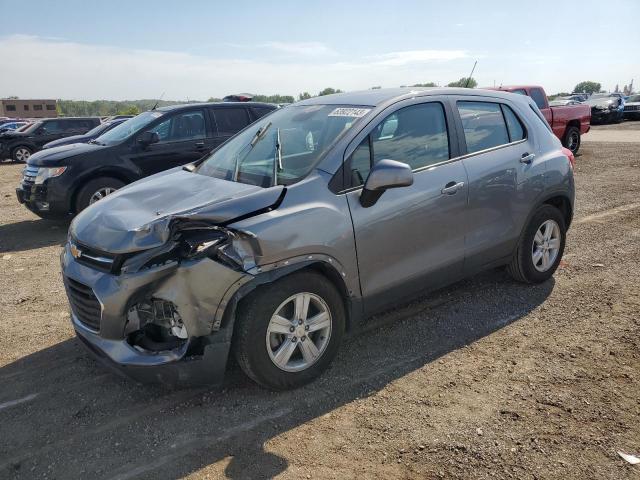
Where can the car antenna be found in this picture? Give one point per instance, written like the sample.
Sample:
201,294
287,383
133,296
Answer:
158,101
466,85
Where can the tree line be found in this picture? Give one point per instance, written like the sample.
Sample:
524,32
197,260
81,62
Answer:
105,108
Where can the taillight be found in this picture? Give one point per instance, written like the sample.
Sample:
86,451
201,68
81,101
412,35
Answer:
570,156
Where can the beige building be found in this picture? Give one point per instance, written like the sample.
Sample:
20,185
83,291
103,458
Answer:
28,108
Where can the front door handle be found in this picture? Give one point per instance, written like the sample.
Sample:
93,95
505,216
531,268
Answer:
451,188
200,145
527,158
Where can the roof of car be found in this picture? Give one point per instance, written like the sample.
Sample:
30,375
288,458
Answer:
207,104
381,96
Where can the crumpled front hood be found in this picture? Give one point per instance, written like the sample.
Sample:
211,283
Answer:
56,154
138,216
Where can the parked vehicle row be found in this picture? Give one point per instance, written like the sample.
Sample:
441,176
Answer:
568,122
20,145
63,180
251,249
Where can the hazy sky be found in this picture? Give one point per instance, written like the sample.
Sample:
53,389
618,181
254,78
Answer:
197,49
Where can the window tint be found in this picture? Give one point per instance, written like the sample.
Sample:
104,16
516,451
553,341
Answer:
54,126
538,97
416,135
516,130
230,120
483,125
260,111
181,127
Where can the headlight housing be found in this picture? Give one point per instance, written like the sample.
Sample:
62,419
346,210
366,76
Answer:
46,173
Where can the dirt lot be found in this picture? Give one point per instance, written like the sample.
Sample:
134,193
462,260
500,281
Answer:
485,379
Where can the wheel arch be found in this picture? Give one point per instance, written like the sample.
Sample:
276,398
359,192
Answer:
562,203
124,177
323,267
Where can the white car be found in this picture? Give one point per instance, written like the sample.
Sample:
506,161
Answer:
632,108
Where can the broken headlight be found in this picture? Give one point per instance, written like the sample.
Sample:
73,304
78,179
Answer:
204,243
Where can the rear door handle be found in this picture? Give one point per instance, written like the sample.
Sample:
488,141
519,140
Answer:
451,188
527,158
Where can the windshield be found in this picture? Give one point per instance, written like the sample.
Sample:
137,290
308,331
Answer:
97,130
283,147
32,127
128,128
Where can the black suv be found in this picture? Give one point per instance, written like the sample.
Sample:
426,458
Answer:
64,180
20,145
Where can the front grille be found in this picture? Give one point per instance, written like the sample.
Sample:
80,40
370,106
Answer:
631,108
84,304
29,174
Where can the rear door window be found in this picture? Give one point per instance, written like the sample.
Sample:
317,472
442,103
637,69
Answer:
260,111
181,127
230,120
483,124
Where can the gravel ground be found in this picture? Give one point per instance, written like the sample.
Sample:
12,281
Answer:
485,379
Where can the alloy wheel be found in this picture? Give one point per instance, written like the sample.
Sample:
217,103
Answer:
546,245
22,154
100,194
298,332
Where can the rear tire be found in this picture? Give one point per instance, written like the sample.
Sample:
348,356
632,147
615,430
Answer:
101,186
572,139
528,263
257,348
21,154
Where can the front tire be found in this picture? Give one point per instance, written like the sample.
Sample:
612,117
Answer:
541,246
288,332
95,190
21,154
571,139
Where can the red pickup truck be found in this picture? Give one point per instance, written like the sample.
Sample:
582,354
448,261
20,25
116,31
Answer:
567,122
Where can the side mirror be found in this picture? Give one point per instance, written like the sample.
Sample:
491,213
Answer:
384,175
147,138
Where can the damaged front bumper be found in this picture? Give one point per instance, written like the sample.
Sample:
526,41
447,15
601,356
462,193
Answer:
116,315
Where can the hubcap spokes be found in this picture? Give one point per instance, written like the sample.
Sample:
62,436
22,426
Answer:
103,192
299,332
23,154
546,245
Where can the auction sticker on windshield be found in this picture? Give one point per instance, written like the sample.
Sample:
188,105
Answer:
349,112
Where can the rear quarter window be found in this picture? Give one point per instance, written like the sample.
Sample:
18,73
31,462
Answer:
514,124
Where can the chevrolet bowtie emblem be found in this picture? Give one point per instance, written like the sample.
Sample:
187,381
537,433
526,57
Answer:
75,251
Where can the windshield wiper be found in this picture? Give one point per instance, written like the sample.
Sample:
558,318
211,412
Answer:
260,133
277,159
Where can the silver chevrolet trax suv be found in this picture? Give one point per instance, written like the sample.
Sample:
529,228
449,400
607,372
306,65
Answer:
306,223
